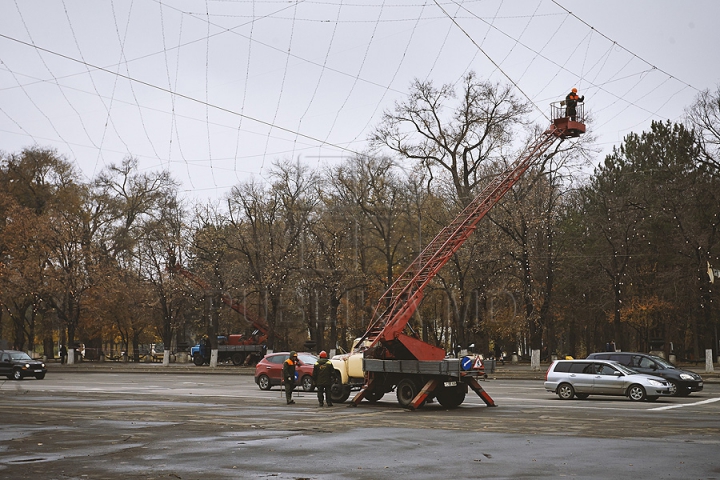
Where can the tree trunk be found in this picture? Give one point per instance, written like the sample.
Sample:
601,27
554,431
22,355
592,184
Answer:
48,345
136,346
333,314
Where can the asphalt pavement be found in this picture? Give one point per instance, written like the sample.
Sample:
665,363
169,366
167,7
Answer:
178,424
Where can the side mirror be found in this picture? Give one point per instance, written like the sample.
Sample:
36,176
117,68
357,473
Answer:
618,374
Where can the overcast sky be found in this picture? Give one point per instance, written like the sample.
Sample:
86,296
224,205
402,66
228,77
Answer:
216,90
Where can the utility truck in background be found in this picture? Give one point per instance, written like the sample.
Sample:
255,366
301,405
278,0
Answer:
390,356
238,348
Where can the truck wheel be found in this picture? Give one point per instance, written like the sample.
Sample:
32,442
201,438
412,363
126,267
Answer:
450,397
373,397
339,392
238,358
307,383
264,382
198,360
253,358
406,390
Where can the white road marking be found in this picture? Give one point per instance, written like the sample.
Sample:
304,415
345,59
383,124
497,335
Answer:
668,407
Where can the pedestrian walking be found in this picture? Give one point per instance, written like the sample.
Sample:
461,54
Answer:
323,375
63,354
288,373
499,357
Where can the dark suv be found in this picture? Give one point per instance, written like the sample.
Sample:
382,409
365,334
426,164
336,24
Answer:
682,382
18,365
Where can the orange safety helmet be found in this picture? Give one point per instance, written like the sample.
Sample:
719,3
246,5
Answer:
323,354
574,90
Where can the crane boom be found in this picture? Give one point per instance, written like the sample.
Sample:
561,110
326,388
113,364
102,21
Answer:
175,267
384,337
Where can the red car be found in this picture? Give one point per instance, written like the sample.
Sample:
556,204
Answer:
268,371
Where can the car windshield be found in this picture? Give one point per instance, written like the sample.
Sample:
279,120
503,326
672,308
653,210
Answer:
305,358
20,356
663,362
624,369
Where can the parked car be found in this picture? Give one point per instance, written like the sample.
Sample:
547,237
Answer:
682,382
582,378
268,371
18,365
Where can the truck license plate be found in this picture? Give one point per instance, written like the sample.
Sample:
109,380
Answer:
450,384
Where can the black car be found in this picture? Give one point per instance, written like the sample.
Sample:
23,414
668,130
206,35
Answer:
18,365
682,382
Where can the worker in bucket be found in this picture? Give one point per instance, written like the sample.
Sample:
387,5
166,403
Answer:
571,102
323,373
288,373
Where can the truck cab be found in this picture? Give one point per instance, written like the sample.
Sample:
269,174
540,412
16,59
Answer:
349,367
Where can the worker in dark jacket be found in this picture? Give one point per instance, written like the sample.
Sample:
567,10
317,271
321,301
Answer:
323,375
288,373
571,102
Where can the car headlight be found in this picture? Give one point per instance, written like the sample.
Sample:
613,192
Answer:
686,376
655,383
43,365
26,366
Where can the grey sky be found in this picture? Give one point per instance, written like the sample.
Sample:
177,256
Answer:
216,90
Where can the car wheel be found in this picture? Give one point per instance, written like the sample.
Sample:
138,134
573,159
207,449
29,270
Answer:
40,376
406,390
450,397
264,382
673,388
238,358
636,393
307,383
582,396
373,397
651,399
565,391
17,375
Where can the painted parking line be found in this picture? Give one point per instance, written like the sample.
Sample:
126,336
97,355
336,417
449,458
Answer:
668,407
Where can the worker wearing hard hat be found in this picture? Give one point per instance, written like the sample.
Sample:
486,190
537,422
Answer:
323,375
571,102
288,373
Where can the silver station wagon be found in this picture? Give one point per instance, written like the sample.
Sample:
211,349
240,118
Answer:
582,378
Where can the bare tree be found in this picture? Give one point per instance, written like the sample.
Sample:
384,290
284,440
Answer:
267,225
704,117
453,132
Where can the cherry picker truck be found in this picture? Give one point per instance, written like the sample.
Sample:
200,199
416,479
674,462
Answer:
390,355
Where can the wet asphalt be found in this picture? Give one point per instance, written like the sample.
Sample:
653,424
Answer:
119,425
